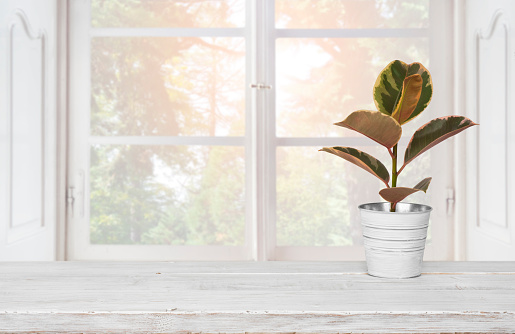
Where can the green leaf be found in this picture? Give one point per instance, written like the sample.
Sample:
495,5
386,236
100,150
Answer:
411,90
375,125
397,194
361,159
389,85
433,133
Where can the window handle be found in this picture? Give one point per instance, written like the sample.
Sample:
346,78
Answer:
70,199
260,86
450,201
75,196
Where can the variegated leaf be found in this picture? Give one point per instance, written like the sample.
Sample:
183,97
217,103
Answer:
433,133
389,84
411,90
397,194
424,184
361,159
375,125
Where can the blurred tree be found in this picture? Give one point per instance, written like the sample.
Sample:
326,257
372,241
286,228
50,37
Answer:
336,78
145,86
163,86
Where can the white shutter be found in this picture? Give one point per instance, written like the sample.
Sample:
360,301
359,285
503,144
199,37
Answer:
490,151
27,131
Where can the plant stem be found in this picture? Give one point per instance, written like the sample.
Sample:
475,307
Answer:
394,174
394,167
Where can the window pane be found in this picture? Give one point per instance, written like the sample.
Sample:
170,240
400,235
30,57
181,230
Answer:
167,195
322,80
168,13
167,86
318,194
351,14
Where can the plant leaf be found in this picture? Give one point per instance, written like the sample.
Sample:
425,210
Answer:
433,133
411,90
375,125
388,86
424,184
427,88
390,82
361,159
397,194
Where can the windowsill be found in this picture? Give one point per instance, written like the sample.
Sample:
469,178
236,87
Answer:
303,297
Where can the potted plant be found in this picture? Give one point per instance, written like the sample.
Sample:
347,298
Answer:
395,232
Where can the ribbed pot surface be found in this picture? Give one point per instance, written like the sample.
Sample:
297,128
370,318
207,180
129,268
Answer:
394,241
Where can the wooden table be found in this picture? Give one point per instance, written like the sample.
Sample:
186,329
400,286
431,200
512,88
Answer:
238,297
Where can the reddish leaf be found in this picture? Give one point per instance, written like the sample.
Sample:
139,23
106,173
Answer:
375,125
397,194
411,90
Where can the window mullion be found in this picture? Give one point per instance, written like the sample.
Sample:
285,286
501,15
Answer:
167,32
167,140
354,33
258,18
269,112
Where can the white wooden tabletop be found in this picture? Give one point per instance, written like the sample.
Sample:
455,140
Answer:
238,297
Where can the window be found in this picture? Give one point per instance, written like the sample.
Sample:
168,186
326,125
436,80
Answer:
174,156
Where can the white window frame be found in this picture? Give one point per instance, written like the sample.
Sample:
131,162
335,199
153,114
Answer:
260,141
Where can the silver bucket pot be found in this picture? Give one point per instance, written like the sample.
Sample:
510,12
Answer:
394,241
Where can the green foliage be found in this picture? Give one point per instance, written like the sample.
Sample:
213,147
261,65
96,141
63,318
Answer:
143,86
309,202
198,203
361,159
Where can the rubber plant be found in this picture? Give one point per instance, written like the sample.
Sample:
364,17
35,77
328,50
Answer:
401,92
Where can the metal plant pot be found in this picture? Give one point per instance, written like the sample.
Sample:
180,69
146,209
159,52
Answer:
394,241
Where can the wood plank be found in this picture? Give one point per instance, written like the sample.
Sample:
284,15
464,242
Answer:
255,282
254,297
296,301
351,267
259,323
